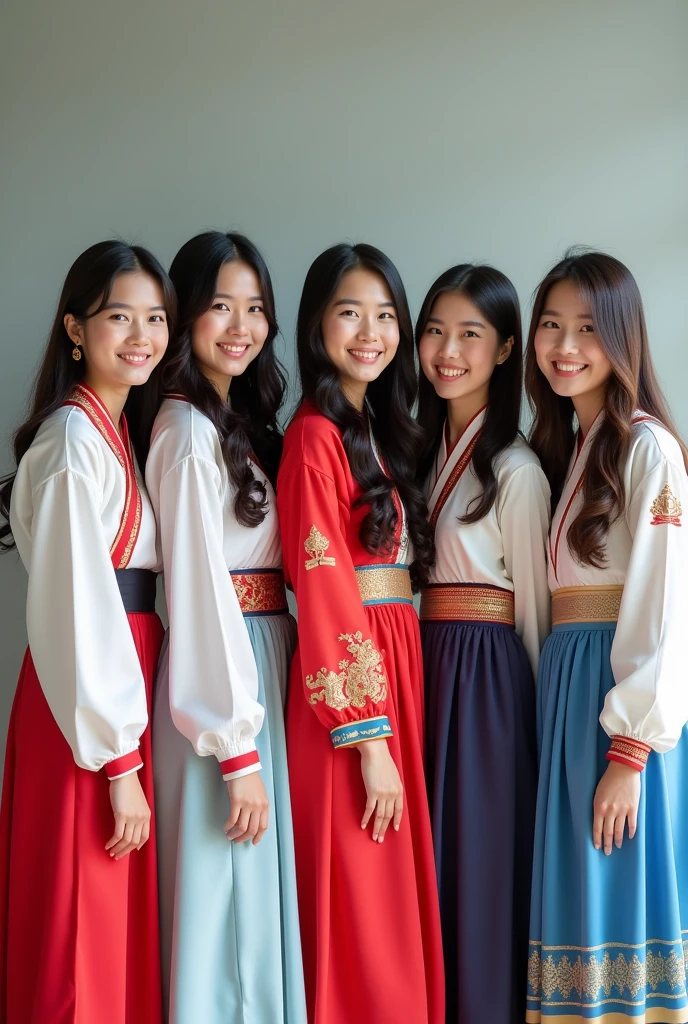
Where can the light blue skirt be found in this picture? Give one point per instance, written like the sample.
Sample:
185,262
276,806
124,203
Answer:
608,935
231,948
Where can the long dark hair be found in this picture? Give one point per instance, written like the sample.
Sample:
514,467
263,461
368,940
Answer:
390,399
495,296
617,314
249,425
85,292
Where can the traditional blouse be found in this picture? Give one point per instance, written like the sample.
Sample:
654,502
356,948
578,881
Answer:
646,552
342,670
213,673
74,489
507,547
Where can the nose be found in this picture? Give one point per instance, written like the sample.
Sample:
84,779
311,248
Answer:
237,323
568,342
139,333
451,346
367,328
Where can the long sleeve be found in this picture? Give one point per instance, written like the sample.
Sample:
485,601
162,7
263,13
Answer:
524,523
79,636
343,673
648,707
213,674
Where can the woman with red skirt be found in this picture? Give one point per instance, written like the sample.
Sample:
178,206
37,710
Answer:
353,523
78,885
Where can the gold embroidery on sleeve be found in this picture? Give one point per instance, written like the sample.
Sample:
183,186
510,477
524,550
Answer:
357,681
316,545
666,508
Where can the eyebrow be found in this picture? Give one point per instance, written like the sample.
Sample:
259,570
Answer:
125,305
356,302
462,323
251,298
553,312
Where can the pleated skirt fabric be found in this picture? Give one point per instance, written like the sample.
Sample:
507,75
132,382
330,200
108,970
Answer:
231,949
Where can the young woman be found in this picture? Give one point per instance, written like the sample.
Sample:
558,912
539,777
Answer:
352,521
230,934
78,891
484,617
609,920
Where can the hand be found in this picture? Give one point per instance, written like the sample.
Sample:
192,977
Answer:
616,799
248,815
383,785
132,816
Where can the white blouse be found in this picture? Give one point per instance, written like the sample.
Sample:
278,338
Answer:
646,553
212,668
66,509
507,547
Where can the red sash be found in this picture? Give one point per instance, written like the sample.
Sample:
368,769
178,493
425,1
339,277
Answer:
123,545
453,478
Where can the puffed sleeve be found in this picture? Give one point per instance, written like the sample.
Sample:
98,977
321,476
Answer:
79,635
212,668
343,673
648,707
523,513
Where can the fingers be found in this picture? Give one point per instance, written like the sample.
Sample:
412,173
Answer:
619,826
632,822
234,812
240,825
385,819
608,832
371,804
125,845
145,834
398,811
262,827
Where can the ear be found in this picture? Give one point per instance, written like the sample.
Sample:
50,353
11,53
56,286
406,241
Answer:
74,329
506,351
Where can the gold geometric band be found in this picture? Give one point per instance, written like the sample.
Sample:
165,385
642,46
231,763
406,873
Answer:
585,604
260,593
467,603
384,584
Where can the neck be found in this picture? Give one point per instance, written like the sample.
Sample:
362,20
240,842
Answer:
219,382
588,407
113,396
460,412
355,391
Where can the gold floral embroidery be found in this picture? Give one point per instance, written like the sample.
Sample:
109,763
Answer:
666,508
358,680
260,592
316,545
587,978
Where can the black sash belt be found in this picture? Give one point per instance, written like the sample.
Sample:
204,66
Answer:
137,587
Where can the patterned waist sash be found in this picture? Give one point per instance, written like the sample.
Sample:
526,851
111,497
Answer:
384,584
585,604
467,602
260,591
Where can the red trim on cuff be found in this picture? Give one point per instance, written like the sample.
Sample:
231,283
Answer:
125,763
235,764
628,751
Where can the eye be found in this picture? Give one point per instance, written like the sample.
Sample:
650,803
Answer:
120,317
550,323
433,330
470,334
256,309
386,316
349,312
222,306
588,329
157,318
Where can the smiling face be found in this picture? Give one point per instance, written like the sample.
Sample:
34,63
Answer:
124,341
231,334
459,350
360,331
568,349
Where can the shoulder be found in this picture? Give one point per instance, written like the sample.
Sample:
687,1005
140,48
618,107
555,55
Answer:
652,444
180,432
519,461
313,440
66,441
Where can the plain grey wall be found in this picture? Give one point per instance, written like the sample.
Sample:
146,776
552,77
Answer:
440,131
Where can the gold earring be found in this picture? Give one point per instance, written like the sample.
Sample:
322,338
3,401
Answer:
76,353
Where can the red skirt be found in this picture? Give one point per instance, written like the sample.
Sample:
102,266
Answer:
78,931
369,912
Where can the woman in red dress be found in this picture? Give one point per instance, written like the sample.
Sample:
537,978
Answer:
78,882
352,523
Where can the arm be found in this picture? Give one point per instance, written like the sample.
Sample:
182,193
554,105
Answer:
213,674
80,639
524,523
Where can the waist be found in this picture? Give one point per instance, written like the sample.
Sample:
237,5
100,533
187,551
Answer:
260,591
467,602
586,604
384,584
137,588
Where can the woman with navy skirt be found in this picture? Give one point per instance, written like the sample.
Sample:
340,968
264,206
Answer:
484,617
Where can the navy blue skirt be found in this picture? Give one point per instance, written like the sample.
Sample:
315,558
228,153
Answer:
482,779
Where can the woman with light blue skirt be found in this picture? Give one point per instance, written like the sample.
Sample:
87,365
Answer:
609,913
229,920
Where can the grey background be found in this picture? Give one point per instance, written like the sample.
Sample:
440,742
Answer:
440,131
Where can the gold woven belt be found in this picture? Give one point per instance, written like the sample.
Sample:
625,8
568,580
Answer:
585,604
470,602
260,592
384,584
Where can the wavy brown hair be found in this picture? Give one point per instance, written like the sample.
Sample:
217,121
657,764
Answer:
617,314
